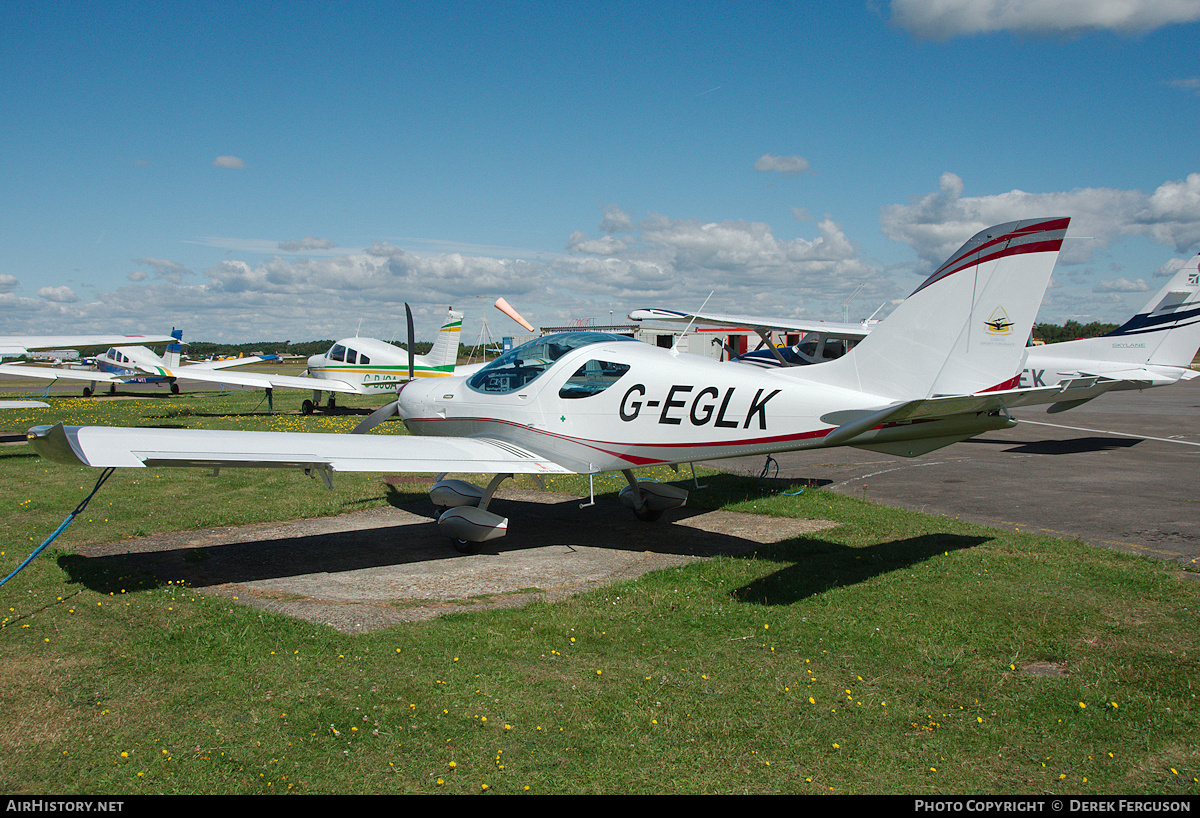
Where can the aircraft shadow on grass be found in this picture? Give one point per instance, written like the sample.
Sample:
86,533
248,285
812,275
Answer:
275,551
820,565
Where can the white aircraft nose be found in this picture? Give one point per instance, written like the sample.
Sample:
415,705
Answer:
413,397
315,361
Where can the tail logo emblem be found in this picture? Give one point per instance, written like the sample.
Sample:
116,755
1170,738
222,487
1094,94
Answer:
999,324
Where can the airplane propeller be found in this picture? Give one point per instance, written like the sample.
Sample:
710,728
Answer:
393,408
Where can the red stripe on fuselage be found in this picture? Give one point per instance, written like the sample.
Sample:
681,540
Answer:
637,460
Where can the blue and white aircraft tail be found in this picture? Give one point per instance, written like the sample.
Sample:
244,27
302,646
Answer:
1153,348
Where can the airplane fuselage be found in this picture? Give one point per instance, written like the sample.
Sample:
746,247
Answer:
619,405
374,366
134,365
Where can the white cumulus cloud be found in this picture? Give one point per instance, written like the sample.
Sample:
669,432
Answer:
60,295
942,19
787,165
1121,285
228,162
306,243
936,224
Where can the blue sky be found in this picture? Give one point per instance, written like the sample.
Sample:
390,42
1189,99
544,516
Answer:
300,170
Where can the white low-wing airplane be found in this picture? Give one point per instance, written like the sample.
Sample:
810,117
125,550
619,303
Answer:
1153,348
930,374
368,366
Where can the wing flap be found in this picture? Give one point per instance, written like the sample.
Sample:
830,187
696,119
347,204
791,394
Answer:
104,446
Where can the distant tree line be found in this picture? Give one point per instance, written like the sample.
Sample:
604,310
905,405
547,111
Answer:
1053,333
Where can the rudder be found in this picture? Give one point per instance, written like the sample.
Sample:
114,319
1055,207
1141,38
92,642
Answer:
963,331
444,353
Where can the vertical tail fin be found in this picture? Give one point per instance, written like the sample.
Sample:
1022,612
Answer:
964,329
174,350
1166,331
444,353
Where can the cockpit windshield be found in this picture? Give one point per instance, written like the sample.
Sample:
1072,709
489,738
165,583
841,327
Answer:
518,367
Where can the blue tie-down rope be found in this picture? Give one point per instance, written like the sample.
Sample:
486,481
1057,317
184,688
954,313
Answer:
78,510
768,474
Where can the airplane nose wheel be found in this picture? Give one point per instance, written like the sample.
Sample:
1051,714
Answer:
463,546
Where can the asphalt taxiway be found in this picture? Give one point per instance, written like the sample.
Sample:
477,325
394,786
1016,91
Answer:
1121,471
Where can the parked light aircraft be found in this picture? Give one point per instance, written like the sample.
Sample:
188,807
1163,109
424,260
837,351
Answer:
359,366
368,366
580,403
822,341
1153,348
138,364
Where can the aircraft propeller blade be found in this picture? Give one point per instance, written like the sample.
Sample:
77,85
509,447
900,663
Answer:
412,341
392,408
377,417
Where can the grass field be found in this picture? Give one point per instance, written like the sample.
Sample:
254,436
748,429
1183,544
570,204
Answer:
896,653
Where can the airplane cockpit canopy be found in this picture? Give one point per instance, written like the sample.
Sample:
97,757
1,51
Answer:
518,367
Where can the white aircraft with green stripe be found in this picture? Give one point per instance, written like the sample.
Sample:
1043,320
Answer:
368,366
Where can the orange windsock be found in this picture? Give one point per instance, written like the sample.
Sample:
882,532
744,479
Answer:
503,306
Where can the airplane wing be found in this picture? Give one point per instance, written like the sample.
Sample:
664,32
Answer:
228,362
103,446
14,345
53,373
260,380
185,373
829,328
23,404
